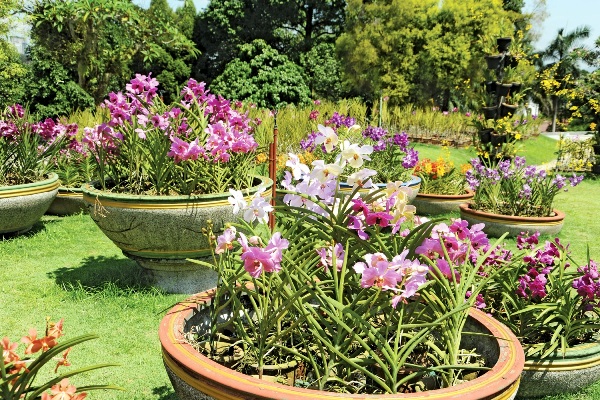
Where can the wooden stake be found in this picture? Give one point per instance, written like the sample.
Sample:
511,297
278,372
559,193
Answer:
273,171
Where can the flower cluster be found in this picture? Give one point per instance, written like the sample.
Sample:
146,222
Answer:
514,188
148,146
540,264
17,374
388,154
441,177
27,148
588,285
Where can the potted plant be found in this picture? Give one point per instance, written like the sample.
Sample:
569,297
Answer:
27,187
74,167
443,186
346,290
163,171
18,374
388,156
551,303
514,197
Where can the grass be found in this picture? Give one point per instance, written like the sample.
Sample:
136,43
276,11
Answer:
66,268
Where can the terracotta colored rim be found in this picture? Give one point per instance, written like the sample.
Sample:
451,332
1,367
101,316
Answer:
556,219
46,185
122,200
499,383
446,197
585,355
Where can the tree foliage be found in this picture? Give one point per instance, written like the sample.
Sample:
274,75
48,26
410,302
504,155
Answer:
263,76
414,50
185,18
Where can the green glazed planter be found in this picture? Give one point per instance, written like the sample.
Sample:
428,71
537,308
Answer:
21,206
162,232
580,367
497,224
195,377
68,201
435,204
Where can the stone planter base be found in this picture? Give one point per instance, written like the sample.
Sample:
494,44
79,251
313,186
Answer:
497,225
21,206
554,375
435,204
68,201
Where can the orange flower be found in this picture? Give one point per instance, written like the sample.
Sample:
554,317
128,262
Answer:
34,344
54,329
8,351
63,391
63,360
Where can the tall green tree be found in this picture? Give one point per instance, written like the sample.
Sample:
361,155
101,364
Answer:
185,18
263,76
563,57
12,71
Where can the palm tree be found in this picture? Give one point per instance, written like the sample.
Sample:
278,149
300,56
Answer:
567,51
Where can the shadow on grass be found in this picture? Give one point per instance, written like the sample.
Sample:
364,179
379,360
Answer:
38,227
112,275
164,393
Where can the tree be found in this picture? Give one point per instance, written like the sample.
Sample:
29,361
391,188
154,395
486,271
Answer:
263,76
323,71
186,18
12,70
560,65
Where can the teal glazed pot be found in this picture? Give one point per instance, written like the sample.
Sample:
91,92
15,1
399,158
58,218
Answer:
162,232
68,201
21,206
580,367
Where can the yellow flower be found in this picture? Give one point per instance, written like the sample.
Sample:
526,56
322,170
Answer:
261,158
593,126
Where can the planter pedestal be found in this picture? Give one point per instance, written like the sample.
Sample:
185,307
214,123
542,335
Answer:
496,224
553,375
21,206
68,201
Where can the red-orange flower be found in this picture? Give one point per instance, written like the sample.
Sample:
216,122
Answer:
63,360
34,344
62,391
8,351
54,329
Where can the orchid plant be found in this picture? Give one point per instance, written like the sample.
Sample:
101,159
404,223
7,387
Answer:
514,188
441,177
352,288
547,302
198,144
27,148
18,373
389,156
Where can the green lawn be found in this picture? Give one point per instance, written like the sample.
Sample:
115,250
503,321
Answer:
66,268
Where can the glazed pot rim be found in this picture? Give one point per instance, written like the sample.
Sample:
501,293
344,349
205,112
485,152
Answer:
503,375
558,215
579,356
90,190
433,196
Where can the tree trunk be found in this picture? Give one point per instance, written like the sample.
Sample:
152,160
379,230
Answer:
554,112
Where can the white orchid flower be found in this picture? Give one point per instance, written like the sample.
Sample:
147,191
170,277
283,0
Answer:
323,172
298,169
354,154
258,209
237,201
328,137
361,178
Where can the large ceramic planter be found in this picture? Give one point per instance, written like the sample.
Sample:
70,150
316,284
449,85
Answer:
194,376
414,183
496,224
68,201
21,206
162,232
580,367
435,204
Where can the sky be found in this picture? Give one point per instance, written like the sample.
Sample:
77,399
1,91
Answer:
568,14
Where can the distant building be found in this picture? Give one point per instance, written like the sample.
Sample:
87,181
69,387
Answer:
20,41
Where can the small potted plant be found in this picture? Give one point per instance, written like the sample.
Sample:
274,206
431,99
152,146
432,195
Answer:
551,303
164,170
443,186
514,197
18,374
27,185
349,292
